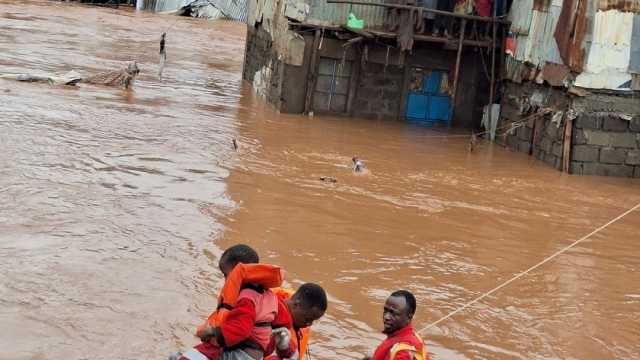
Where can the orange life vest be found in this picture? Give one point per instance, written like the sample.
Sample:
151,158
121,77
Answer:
265,275
301,337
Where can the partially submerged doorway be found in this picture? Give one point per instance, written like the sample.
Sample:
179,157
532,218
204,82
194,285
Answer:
428,101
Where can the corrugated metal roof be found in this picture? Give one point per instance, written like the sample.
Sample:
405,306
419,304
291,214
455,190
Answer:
231,9
539,46
520,16
336,14
634,61
159,5
607,64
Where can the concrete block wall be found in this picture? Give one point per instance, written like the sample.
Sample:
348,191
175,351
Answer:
379,92
606,144
547,147
605,135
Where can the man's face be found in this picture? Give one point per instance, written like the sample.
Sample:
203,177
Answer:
302,317
396,314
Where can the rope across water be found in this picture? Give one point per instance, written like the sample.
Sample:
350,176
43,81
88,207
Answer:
547,259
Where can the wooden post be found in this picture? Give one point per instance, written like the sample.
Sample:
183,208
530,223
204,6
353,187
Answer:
566,145
538,124
406,81
456,72
493,64
311,74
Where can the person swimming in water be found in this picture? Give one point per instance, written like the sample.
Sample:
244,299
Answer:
358,165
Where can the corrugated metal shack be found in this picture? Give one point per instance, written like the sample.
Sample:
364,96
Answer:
306,56
213,9
580,61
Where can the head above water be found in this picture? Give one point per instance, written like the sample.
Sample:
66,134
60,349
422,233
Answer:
307,305
398,311
132,69
239,253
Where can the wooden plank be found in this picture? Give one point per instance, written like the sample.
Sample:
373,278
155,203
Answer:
363,33
538,124
436,39
423,9
311,74
566,145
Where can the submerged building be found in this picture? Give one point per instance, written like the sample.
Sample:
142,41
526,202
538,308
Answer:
572,82
373,59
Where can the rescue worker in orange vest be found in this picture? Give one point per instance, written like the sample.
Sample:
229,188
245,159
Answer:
303,307
402,342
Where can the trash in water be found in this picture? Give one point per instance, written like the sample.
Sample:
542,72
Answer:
328,179
123,78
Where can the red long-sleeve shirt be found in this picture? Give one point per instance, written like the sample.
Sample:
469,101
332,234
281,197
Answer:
238,327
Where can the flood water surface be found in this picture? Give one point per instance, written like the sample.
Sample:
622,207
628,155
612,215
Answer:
115,205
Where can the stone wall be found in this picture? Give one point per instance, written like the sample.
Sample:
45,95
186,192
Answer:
379,92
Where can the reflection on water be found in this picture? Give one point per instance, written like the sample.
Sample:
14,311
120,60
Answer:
115,205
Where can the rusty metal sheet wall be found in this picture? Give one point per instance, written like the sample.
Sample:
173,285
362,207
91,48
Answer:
570,33
336,14
622,5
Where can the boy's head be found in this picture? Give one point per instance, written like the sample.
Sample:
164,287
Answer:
237,254
307,305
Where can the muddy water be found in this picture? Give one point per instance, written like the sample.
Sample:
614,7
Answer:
114,206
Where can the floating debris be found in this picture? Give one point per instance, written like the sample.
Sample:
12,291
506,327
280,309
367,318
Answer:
328,179
235,144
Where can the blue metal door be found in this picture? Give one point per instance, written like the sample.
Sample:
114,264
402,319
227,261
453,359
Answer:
429,101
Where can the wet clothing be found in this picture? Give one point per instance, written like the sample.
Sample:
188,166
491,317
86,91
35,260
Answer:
236,355
397,346
247,326
265,275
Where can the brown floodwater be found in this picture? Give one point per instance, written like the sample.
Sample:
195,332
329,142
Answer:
114,206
